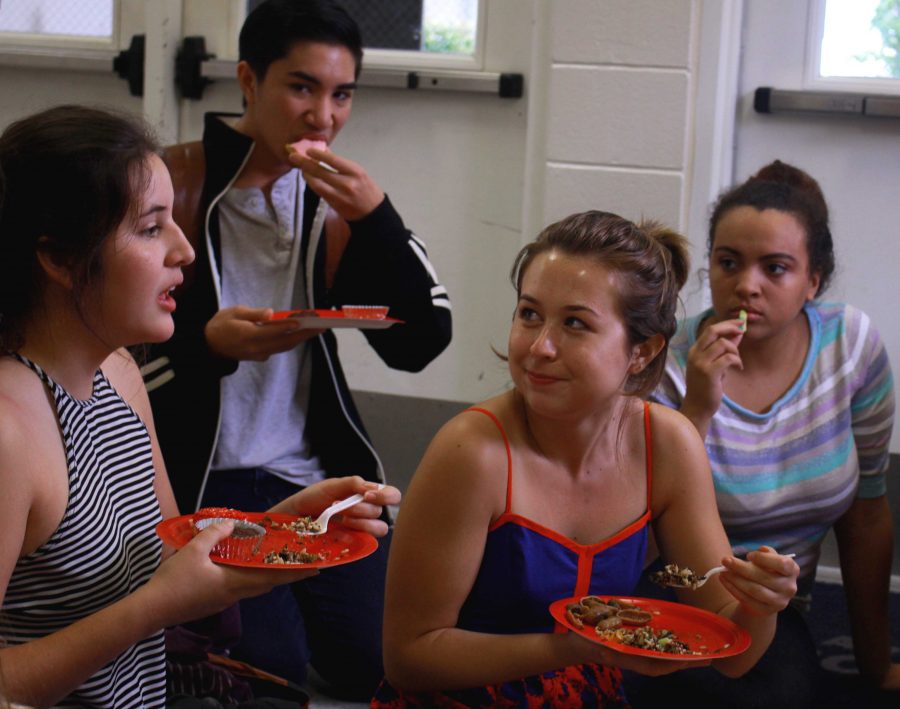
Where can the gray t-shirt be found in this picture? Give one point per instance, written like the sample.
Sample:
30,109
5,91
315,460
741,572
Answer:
264,404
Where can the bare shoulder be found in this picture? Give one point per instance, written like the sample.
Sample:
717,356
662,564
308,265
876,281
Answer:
17,396
679,456
671,427
472,437
468,457
23,400
30,450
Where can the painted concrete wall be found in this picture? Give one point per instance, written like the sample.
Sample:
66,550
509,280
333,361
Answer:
619,113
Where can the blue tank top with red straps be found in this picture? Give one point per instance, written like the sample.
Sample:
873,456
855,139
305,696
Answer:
526,567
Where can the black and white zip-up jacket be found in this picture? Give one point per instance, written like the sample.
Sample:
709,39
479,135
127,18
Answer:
383,264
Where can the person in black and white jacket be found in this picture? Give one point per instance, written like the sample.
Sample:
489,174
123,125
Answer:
248,408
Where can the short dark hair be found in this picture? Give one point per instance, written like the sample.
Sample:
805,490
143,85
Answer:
651,262
69,177
790,190
273,27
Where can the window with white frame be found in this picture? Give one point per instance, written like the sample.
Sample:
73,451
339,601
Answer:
855,44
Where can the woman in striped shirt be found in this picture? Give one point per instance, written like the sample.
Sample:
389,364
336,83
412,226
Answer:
89,255
795,400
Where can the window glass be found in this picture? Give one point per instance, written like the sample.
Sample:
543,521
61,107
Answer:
861,38
447,27
84,18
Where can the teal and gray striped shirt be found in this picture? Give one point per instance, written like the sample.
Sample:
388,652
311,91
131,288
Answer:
784,477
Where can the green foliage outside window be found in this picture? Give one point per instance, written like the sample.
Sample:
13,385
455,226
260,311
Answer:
448,39
887,22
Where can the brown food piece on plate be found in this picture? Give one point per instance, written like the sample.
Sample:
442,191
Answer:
609,623
634,616
575,614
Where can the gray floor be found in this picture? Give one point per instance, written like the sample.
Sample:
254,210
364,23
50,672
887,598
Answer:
328,703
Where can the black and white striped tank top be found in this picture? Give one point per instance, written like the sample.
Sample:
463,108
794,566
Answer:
104,548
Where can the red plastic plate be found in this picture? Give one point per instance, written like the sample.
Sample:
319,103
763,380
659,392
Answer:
707,633
340,544
330,319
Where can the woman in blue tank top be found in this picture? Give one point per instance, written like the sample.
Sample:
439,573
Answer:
549,491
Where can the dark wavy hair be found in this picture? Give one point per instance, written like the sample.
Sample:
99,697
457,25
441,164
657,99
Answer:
69,177
273,27
791,190
652,264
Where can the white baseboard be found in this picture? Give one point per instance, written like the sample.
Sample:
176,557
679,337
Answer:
832,574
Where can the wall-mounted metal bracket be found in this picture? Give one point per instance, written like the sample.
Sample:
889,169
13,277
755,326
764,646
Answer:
505,85
769,100
129,64
188,63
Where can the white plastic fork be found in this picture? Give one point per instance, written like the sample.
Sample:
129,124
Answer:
320,524
712,572
700,580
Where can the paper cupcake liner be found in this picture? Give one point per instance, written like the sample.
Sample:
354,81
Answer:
243,542
374,312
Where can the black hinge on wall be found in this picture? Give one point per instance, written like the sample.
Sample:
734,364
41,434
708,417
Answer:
129,65
188,63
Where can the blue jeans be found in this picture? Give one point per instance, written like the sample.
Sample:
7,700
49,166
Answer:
332,621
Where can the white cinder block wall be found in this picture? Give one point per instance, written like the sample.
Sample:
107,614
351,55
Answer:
619,108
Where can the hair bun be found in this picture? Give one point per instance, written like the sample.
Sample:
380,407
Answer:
675,247
795,178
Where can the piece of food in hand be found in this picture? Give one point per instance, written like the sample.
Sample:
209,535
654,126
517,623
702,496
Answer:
743,317
302,146
673,575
